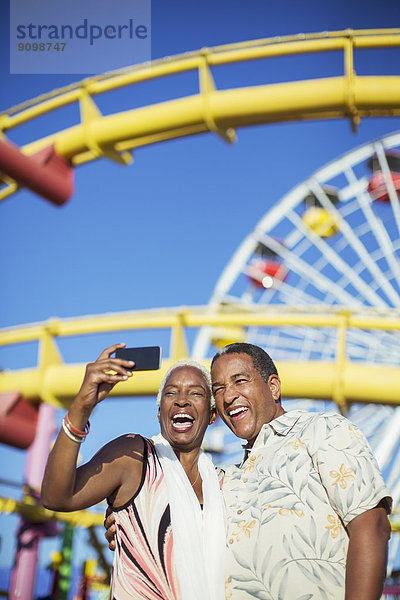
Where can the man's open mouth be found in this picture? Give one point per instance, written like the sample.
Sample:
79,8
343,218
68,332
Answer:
182,422
237,413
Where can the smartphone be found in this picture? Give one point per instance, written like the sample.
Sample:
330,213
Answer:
145,359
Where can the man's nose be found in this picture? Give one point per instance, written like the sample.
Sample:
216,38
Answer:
230,394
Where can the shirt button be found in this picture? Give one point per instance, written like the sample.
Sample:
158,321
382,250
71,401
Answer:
228,579
244,479
239,512
231,541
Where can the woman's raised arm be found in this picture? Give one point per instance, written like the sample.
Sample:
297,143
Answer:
67,488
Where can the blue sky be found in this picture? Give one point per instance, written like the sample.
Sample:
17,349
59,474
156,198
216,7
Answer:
159,233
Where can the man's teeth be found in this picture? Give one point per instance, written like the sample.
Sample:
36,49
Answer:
236,411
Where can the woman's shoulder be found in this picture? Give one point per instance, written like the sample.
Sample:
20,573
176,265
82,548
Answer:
130,445
130,452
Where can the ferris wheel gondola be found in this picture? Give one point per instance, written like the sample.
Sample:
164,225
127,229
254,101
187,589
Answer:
385,166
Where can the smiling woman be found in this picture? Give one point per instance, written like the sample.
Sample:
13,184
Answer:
186,407
164,492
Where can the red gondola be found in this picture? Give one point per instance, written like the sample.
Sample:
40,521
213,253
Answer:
265,270
377,186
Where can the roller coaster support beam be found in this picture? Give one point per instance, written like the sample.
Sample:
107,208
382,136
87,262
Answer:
29,534
46,173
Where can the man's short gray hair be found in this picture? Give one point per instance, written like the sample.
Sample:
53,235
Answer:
187,363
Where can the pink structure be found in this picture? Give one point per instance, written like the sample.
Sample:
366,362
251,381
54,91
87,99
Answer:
28,535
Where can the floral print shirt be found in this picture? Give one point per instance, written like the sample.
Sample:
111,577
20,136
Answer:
305,478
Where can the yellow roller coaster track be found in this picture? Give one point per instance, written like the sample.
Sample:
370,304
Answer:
342,380
212,109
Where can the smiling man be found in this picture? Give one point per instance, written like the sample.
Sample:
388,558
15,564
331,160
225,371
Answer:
307,508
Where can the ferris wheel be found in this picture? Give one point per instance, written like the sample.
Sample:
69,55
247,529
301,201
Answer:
334,240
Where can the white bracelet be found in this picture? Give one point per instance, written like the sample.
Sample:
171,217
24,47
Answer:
68,433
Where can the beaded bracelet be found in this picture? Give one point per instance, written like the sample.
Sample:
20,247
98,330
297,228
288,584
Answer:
70,434
76,431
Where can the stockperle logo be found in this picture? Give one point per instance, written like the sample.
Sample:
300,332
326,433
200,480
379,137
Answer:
91,37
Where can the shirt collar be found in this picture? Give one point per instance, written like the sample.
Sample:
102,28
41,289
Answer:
285,423
281,426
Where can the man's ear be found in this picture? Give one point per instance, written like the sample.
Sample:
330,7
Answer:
275,386
158,415
213,416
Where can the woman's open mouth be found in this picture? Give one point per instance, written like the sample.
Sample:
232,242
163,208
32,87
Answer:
182,422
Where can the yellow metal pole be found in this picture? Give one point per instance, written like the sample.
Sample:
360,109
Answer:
179,348
351,78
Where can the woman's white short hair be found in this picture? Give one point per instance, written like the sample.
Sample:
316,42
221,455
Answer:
187,363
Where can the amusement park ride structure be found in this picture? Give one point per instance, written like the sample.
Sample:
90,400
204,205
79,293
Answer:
319,276
215,110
